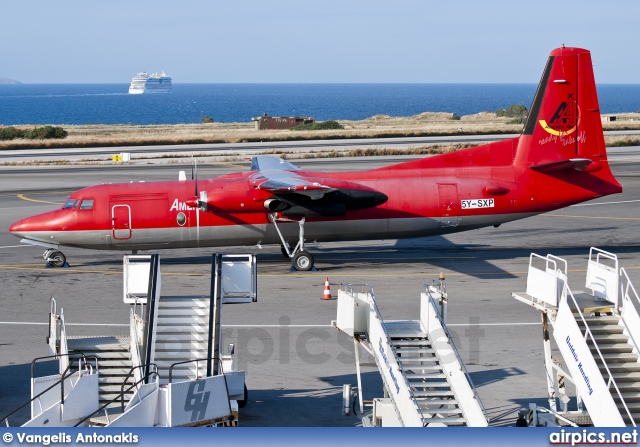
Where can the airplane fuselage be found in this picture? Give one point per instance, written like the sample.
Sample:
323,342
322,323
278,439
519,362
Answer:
422,201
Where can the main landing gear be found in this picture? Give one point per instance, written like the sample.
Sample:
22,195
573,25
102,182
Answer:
55,258
301,260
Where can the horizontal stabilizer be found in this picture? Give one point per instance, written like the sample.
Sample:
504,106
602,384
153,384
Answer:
578,164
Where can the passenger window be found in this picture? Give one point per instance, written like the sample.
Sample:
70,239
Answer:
86,204
69,204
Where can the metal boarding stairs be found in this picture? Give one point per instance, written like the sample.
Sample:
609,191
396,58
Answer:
424,377
598,335
169,371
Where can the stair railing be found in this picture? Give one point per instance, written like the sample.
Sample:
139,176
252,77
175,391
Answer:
434,305
145,379
629,312
80,358
368,289
589,336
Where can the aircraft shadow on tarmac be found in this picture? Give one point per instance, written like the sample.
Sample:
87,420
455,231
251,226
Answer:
476,260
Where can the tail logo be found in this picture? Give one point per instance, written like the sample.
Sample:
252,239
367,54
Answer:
564,121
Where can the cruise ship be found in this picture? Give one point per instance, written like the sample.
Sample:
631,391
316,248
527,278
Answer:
146,83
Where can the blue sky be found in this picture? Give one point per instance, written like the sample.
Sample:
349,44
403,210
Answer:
73,41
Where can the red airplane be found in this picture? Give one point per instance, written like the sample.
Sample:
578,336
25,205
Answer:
559,159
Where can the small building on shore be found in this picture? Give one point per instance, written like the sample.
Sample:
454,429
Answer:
266,122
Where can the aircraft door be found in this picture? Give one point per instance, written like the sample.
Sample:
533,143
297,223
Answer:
121,222
449,205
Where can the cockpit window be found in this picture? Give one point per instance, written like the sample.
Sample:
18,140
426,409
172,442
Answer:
86,204
69,204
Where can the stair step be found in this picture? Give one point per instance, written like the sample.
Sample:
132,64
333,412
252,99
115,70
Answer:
609,338
445,421
398,342
418,380
441,384
415,350
599,320
103,342
436,405
624,376
183,335
617,358
433,393
633,396
182,321
404,360
195,299
411,375
104,398
103,421
116,363
104,381
105,355
597,330
447,411
621,348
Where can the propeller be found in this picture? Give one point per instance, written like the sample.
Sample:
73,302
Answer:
199,200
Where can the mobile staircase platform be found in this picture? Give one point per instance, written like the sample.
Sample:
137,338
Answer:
597,333
425,381
169,371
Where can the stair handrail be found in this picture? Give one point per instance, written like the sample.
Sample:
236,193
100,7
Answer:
121,395
587,334
152,367
372,303
433,303
197,361
64,376
151,309
625,287
134,342
53,311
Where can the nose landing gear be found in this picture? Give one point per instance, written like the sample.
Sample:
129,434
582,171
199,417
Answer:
55,258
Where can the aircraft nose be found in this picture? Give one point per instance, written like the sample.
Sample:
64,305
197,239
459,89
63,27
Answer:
20,227
41,222
16,227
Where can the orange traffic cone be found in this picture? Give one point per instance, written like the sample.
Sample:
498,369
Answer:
327,290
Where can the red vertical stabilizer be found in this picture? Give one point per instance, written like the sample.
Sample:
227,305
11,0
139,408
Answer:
564,120
563,132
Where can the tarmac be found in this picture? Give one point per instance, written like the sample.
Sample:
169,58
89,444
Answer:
295,362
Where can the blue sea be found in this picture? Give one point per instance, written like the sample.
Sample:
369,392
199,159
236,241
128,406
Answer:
187,103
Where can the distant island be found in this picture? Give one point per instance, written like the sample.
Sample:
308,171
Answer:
9,81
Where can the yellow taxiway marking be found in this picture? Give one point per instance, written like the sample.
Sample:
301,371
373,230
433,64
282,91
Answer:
590,217
23,197
43,193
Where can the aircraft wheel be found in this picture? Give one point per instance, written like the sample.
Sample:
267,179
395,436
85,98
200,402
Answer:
245,397
57,259
302,261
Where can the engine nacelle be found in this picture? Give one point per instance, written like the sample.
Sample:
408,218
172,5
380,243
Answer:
275,205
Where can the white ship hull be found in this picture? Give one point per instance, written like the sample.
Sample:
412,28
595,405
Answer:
155,83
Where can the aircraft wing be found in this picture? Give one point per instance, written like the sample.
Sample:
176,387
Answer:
295,190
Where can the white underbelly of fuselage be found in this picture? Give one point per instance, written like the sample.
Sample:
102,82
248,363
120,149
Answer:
247,235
